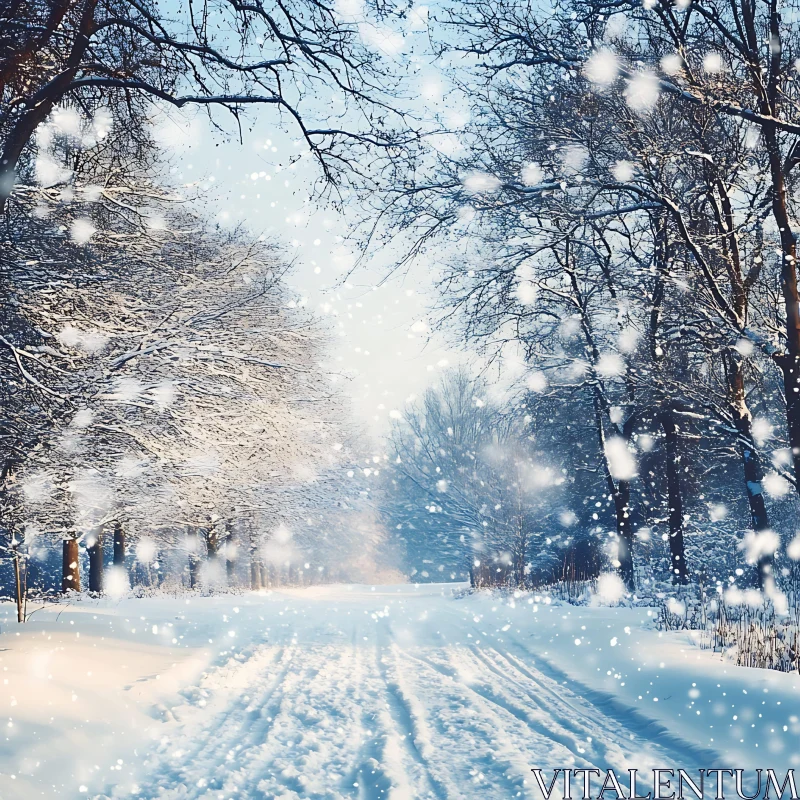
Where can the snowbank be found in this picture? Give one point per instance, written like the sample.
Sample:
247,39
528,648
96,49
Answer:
746,716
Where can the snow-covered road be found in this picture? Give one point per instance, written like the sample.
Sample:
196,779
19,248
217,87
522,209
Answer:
364,692
390,696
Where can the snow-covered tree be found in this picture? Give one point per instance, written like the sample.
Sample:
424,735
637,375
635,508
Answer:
186,384
649,151
465,488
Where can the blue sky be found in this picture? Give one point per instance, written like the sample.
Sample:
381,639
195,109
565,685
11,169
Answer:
381,343
379,324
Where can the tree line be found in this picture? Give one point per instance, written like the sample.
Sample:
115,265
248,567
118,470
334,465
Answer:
616,212
162,390
607,194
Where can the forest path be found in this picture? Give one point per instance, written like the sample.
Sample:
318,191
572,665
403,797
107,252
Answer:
395,692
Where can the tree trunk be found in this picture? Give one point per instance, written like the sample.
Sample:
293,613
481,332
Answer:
678,568
519,566
19,592
255,574
790,367
96,564
789,362
622,504
620,490
751,462
520,548
119,545
193,538
212,543
70,567
759,518
231,548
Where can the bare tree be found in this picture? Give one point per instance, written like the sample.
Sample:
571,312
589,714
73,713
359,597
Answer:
724,69
115,56
464,490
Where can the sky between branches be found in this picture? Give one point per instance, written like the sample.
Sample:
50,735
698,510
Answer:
382,341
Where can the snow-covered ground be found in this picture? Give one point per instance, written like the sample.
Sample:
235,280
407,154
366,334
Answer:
365,692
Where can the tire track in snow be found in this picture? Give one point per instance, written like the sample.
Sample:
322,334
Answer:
256,723
628,717
476,740
316,739
378,771
229,765
541,724
208,698
394,710
609,743
368,774
603,741
382,762
186,764
474,682
382,767
301,720
572,711
408,720
595,735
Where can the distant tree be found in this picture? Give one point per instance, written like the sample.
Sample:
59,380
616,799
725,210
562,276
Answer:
462,486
